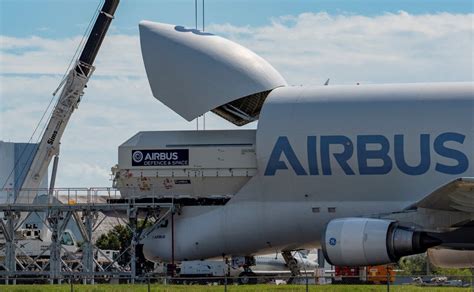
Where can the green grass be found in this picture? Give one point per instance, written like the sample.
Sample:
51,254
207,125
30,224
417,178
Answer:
231,288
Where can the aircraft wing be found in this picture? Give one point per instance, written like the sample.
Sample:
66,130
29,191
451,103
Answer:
457,195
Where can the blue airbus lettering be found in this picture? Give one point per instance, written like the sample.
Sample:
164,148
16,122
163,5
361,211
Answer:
373,155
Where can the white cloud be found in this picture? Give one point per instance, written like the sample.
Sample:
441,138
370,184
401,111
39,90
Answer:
80,173
388,48
119,56
306,49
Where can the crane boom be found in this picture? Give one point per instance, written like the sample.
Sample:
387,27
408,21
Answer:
68,101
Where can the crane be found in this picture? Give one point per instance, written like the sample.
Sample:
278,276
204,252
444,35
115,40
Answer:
73,90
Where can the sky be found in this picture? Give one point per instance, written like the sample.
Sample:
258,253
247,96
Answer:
370,41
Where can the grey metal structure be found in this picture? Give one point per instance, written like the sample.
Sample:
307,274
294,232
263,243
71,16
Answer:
15,160
56,215
61,264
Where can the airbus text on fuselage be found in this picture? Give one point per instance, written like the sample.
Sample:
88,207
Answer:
373,155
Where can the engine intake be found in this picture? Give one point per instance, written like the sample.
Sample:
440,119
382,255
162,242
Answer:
367,241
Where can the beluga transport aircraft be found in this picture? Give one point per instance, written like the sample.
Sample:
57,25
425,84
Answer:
369,173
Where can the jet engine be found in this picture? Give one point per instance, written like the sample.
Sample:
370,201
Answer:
450,258
366,241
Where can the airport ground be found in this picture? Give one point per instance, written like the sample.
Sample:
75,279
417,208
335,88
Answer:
230,288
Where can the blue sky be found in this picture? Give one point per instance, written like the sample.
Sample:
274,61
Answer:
65,18
373,41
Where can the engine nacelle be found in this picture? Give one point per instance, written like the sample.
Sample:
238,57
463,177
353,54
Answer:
450,258
366,241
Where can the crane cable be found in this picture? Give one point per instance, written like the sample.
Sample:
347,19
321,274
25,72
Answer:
53,98
196,26
204,115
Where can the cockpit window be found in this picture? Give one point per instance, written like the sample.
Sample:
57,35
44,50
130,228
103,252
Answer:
164,223
66,239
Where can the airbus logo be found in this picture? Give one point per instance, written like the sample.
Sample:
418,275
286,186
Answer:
137,156
160,157
373,155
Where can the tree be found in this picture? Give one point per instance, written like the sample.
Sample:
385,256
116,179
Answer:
120,238
414,265
115,239
417,265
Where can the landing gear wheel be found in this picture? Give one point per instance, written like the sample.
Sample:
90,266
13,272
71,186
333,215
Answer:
247,278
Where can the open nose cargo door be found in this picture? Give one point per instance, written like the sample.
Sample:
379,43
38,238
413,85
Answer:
193,72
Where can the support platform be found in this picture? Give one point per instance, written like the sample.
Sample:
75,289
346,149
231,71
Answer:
48,258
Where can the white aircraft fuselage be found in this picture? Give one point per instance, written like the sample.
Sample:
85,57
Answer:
332,152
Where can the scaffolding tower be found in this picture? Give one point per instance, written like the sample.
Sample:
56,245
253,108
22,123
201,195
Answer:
87,210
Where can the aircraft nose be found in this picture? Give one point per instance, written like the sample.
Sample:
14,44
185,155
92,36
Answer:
175,57
155,248
148,252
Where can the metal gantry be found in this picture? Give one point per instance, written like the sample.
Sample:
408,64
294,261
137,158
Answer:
86,209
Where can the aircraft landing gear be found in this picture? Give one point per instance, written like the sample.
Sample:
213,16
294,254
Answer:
292,264
247,277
